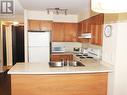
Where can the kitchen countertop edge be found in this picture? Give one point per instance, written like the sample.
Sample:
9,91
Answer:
27,68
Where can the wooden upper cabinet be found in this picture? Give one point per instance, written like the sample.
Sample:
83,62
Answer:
93,32
39,25
83,27
100,35
46,25
34,25
70,32
80,26
93,25
58,32
64,32
98,29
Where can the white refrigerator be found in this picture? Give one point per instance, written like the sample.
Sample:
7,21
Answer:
39,47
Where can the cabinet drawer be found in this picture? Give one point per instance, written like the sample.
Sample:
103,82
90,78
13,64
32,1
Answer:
59,57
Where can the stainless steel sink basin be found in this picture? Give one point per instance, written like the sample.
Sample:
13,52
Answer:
62,64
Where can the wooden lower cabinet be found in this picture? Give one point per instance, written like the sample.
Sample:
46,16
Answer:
59,57
66,84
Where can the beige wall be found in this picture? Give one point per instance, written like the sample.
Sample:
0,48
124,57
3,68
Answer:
19,18
108,48
0,46
9,44
83,16
120,76
86,15
68,46
42,15
114,52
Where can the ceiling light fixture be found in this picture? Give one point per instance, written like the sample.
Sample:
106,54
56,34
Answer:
109,6
15,23
57,11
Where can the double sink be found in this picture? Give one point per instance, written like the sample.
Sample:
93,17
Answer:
63,64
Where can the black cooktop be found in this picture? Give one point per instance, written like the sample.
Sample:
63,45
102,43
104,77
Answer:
83,56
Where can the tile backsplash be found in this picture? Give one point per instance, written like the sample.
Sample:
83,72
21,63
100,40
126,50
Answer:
88,45
67,45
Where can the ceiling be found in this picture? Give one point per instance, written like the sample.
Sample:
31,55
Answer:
73,6
18,8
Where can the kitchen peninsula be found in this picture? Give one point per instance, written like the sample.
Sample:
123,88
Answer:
39,79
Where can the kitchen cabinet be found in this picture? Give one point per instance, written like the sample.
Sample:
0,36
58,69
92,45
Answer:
83,28
70,32
34,25
62,56
97,29
59,84
80,30
46,25
58,32
93,25
64,32
39,25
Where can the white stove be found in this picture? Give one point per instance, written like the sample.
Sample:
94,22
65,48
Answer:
90,53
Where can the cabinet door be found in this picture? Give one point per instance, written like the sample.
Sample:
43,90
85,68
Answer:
58,32
59,57
34,25
93,32
55,58
70,32
68,57
94,25
81,30
99,35
46,25
80,26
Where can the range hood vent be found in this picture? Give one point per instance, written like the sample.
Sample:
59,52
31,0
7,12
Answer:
86,35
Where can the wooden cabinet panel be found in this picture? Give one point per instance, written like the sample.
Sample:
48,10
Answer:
59,57
39,25
100,35
46,25
93,32
86,26
97,30
34,25
80,30
56,58
58,32
70,32
93,25
83,27
64,84
64,32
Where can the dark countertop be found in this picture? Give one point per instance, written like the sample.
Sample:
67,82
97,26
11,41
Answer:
5,81
4,68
